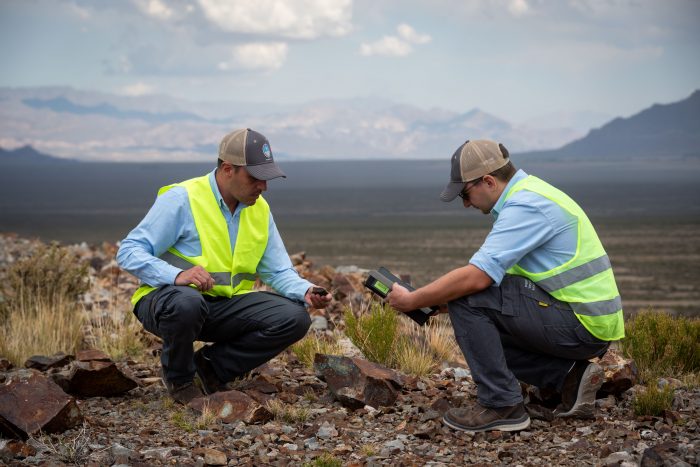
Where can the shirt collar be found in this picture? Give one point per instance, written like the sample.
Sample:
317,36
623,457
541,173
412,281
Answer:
217,193
519,175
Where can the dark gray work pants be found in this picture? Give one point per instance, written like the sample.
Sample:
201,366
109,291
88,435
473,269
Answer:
517,331
247,330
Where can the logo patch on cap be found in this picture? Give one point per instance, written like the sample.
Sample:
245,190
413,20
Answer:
266,151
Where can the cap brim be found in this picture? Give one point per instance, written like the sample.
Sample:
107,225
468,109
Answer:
265,171
451,191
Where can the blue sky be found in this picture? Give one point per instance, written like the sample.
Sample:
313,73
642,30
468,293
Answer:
514,58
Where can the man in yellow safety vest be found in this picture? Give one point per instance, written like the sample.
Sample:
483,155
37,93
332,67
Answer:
535,302
198,252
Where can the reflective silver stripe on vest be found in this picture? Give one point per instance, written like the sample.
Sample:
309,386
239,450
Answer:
240,277
220,278
603,307
573,275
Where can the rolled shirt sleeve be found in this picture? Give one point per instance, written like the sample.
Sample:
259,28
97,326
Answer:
519,229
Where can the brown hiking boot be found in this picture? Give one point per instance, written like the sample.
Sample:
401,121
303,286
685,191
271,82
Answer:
208,380
479,418
579,389
183,393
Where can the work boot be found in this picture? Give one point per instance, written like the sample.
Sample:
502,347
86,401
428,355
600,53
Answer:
579,389
479,418
205,373
183,393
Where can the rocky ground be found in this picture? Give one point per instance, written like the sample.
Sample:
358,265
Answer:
309,425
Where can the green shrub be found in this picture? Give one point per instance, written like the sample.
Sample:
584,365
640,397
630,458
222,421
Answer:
662,345
374,332
653,401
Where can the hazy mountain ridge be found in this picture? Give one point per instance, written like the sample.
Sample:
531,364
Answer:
95,126
662,130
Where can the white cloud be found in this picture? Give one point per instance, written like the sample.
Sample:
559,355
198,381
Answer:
262,56
518,7
409,34
299,19
137,89
393,46
155,8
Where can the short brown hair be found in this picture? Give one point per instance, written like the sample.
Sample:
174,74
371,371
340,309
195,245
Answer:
505,173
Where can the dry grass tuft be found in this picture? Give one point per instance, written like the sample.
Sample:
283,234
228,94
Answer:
415,358
40,312
313,343
287,413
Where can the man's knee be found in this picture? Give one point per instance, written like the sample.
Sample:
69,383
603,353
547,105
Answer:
297,322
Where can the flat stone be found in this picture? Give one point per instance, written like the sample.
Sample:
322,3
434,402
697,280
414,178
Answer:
356,382
214,457
43,363
90,355
231,406
30,402
98,378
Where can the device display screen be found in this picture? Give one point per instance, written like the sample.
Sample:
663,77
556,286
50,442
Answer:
381,287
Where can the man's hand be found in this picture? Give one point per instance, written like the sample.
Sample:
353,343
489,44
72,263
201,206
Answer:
400,298
316,300
197,276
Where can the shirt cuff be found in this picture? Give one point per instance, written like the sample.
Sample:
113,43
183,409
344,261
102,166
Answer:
298,291
489,265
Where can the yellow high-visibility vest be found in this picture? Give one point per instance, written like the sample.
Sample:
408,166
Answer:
233,272
585,281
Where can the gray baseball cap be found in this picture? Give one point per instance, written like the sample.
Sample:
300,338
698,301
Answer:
471,161
249,149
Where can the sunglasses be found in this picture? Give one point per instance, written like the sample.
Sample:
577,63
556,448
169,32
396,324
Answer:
464,194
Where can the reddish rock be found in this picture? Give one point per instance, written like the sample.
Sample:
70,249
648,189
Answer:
356,382
620,374
43,363
97,378
260,383
30,402
92,355
231,406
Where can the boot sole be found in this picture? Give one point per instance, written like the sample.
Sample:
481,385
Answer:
591,381
499,425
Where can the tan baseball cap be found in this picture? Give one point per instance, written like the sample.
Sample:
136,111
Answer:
471,161
250,149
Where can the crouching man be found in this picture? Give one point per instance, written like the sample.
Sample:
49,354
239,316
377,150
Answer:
535,302
198,252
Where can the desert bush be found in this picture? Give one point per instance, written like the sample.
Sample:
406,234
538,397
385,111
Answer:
313,343
663,345
62,447
374,332
652,400
40,312
49,274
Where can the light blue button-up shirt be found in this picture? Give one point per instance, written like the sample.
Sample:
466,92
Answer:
529,230
169,222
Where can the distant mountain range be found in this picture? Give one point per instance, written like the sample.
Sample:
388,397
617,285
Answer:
661,131
90,126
